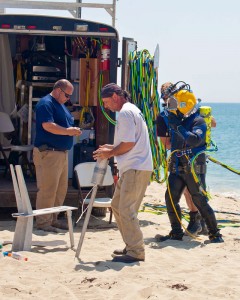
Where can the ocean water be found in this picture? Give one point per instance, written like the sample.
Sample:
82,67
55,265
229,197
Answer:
226,136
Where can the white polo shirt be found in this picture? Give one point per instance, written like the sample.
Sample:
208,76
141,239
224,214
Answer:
131,127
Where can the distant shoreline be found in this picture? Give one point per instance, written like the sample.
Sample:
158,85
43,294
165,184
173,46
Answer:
203,102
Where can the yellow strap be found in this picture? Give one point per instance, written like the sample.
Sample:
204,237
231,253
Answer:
83,110
19,71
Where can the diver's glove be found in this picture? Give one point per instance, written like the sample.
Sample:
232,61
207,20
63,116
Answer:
183,132
174,121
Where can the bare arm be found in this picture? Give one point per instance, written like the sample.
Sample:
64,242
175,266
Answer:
56,129
213,122
107,152
109,146
122,148
166,142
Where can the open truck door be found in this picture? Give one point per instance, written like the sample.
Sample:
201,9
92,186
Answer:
128,45
140,79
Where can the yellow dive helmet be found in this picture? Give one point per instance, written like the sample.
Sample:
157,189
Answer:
186,102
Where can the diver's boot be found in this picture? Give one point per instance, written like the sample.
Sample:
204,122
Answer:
194,226
204,230
215,237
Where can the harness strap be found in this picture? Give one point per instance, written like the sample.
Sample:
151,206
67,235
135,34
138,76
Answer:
189,151
186,169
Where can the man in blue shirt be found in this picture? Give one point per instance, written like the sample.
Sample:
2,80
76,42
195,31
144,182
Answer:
54,137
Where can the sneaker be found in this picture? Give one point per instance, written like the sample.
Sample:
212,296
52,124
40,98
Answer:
170,236
194,226
120,251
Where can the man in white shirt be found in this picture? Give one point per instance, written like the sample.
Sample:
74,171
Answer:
134,160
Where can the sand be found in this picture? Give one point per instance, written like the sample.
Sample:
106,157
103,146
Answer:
188,269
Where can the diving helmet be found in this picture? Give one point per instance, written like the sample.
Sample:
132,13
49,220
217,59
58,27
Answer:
184,101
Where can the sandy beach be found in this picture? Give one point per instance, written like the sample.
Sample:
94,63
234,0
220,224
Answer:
188,269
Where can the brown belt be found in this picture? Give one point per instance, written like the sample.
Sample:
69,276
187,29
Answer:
45,148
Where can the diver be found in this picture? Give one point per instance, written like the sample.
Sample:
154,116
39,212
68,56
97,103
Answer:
196,223
185,132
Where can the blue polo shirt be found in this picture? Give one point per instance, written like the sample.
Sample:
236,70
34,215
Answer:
49,110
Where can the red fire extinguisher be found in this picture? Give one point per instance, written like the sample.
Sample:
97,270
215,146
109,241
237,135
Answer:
105,57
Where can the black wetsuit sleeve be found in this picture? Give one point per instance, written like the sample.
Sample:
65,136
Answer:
196,135
162,129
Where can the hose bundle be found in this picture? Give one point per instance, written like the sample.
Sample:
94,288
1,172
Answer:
143,86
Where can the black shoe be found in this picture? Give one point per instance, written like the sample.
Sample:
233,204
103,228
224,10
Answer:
60,224
194,226
170,236
127,259
120,252
216,238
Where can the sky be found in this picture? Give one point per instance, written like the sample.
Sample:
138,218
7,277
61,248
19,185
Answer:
199,40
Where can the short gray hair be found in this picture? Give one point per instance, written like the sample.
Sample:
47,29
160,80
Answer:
62,84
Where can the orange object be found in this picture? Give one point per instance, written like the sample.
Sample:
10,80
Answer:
115,179
17,256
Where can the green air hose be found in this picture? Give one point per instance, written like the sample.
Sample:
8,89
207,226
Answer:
223,165
101,102
143,89
143,86
197,180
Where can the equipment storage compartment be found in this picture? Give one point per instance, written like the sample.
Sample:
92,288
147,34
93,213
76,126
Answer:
45,49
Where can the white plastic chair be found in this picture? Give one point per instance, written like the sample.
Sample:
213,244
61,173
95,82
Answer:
84,172
22,240
6,126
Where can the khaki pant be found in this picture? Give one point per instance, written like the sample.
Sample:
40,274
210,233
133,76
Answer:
126,201
52,182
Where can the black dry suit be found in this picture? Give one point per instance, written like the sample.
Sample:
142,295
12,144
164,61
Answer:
188,138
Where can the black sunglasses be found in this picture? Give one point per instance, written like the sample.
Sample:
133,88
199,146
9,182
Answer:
65,94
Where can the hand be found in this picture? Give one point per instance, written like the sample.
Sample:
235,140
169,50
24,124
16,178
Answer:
74,131
102,153
174,121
